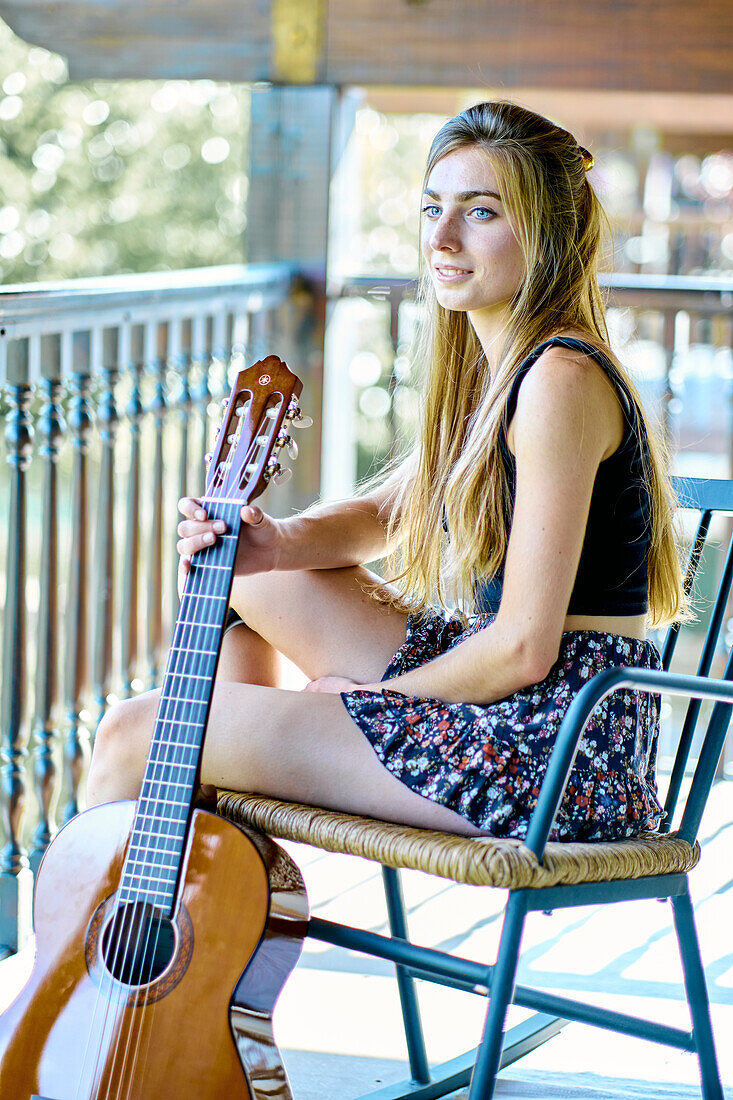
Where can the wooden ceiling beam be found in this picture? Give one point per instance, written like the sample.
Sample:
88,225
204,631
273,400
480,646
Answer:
658,45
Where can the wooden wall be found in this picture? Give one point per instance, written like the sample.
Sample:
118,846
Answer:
637,45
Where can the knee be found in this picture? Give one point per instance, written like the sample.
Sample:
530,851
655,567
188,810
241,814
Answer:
120,749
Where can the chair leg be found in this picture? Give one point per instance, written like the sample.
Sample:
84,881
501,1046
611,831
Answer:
697,996
408,996
502,989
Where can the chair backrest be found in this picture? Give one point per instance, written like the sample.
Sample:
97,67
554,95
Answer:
709,498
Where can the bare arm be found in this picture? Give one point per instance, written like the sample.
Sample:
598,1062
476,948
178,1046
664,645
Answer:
325,536
342,533
564,425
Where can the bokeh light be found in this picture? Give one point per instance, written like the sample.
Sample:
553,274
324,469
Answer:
92,171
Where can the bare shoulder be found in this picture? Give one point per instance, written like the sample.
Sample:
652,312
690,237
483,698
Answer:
568,385
559,370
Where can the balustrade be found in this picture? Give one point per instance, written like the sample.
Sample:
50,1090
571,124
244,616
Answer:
113,380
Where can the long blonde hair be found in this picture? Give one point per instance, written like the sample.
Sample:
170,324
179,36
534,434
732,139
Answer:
458,473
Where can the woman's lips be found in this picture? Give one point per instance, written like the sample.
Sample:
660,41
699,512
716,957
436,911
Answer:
451,274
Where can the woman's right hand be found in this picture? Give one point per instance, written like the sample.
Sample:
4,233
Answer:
260,539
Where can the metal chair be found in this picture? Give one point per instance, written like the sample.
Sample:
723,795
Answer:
540,875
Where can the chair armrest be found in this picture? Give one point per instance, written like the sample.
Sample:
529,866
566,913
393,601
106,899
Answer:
575,721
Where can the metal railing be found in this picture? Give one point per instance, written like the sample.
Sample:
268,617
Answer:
109,389
667,325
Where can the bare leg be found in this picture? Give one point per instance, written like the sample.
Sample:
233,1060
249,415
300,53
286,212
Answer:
246,658
321,620
292,745
302,747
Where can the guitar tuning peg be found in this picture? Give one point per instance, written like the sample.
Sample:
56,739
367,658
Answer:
283,474
301,421
208,457
224,402
285,440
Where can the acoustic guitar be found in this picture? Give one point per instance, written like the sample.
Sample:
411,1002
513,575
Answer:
164,934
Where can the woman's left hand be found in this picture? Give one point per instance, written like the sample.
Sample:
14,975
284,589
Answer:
332,685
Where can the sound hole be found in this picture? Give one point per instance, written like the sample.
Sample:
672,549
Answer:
138,944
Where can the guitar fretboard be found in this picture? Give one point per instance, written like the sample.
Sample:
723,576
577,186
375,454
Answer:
152,865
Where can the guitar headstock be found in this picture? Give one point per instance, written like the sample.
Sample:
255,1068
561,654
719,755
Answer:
261,408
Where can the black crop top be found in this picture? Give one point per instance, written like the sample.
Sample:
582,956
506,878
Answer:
612,577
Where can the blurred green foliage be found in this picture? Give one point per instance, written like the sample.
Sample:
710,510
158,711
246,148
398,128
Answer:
106,177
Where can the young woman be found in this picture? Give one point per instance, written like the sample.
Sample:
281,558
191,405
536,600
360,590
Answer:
535,497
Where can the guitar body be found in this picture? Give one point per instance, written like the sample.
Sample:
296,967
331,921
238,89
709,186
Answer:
201,1029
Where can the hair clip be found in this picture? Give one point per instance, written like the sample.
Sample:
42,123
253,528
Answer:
587,156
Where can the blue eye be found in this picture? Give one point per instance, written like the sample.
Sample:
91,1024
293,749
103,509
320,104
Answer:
483,210
427,209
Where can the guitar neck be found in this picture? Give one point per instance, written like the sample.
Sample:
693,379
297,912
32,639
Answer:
152,865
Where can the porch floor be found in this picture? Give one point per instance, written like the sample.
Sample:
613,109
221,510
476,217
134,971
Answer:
338,1026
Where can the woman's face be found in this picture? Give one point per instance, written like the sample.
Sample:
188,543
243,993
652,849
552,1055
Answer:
475,261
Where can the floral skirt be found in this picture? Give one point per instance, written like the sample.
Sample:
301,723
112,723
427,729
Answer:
487,762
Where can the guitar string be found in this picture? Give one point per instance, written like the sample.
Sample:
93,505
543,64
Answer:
164,782
201,657
122,950
220,588
165,767
217,590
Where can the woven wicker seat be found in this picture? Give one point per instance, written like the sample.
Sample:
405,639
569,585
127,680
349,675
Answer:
480,861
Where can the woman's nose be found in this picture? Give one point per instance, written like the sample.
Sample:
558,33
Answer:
443,235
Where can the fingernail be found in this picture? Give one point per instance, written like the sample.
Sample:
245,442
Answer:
209,537
220,526
200,514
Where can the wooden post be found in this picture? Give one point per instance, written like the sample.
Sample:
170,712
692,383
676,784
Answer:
295,138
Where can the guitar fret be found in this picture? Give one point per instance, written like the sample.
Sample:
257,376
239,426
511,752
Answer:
159,898
176,764
178,722
149,855
202,626
202,596
155,879
177,741
224,500
165,782
155,832
188,675
159,817
143,823
150,851
194,650
164,801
